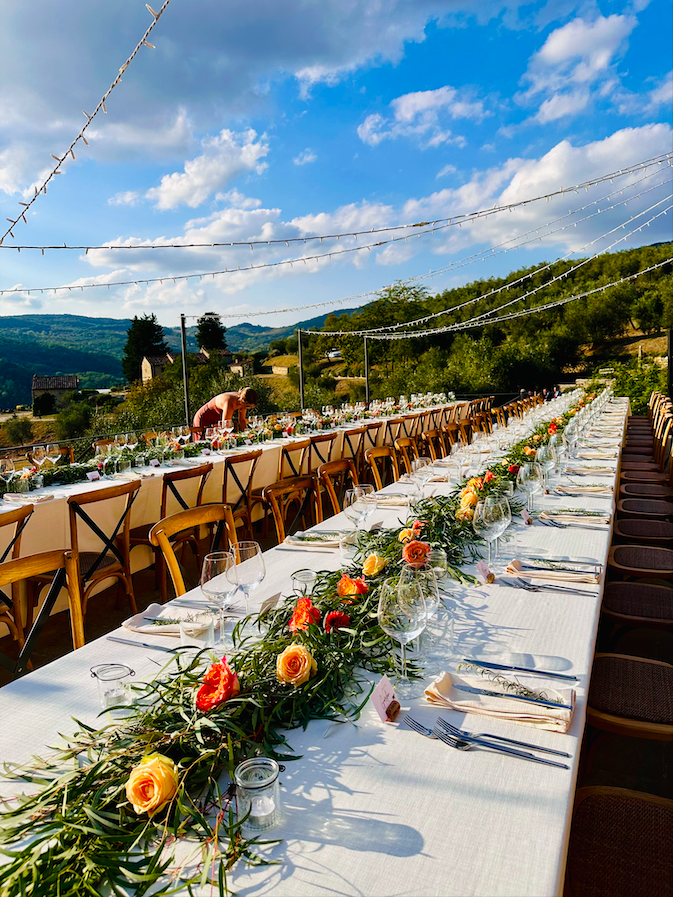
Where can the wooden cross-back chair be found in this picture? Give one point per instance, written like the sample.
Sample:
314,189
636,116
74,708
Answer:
238,472
466,429
297,500
354,444
406,447
392,431
59,569
320,450
293,459
337,477
165,534
382,462
112,561
170,493
435,444
501,417
10,611
451,434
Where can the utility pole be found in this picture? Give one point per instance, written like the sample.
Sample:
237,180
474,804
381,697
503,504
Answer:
185,377
670,368
301,370
366,372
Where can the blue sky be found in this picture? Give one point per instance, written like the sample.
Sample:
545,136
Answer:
257,120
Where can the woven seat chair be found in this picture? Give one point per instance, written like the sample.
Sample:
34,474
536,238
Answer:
166,533
640,560
384,456
641,507
621,844
650,532
645,490
631,696
643,475
296,499
337,477
628,605
407,450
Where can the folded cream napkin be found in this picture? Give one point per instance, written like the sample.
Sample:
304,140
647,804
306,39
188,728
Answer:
440,478
27,498
588,471
570,489
576,519
392,500
443,693
554,571
312,542
172,616
589,454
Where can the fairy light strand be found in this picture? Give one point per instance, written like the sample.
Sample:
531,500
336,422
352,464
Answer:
70,152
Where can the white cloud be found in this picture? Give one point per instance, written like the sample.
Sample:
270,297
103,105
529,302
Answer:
448,169
419,114
224,158
562,104
662,95
239,200
125,198
305,158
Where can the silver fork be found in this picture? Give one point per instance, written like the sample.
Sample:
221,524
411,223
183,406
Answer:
555,523
459,733
462,744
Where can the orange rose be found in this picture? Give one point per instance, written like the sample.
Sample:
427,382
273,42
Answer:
406,534
349,586
219,684
416,553
373,565
295,665
537,437
465,514
304,614
152,783
469,500
529,451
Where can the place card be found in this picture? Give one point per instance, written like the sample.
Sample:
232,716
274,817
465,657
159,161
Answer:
154,462
385,700
93,475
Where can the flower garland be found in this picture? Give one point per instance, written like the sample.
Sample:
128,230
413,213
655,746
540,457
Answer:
109,806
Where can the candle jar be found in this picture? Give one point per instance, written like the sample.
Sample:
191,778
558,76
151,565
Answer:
113,681
258,793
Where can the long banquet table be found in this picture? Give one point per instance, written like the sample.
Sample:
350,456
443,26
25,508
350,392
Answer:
376,809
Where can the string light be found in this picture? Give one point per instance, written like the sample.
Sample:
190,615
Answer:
450,221
89,118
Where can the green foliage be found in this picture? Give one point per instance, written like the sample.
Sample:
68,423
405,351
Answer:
73,420
44,404
145,337
19,430
648,311
637,379
210,332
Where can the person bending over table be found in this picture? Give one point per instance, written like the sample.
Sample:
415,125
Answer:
222,408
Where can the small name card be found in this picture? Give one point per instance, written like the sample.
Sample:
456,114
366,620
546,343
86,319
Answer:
154,462
93,475
385,700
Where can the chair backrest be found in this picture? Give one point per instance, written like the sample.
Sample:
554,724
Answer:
163,531
501,416
392,431
411,425
18,518
321,450
483,422
238,472
293,458
76,512
466,428
354,444
102,443
378,459
296,499
372,434
149,436
452,434
170,489
434,440
337,477
406,446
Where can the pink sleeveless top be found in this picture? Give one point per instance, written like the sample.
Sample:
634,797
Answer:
208,416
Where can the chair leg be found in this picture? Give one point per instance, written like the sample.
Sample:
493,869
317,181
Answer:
128,583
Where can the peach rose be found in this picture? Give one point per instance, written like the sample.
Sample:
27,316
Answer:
465,514
373,565
219,684
469,500
348,586
152,783
406,534
416,553
295,665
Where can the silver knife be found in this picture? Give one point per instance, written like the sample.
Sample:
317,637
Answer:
498,694
126,641
501,666
549,587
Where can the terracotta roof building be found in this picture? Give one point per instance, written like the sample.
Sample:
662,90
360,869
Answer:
56,386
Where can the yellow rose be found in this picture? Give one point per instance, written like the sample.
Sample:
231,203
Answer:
405,535
469,500
373,565
295,665
152,783
465,514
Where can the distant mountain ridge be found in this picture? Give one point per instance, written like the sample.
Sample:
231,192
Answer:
62,344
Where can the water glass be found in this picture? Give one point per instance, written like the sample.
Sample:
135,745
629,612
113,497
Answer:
303,582
348,546
258,793
402,615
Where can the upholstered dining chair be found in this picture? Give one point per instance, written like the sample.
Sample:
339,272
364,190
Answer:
165,534
645,508
294,502
337,477
382,462
643,532
629,604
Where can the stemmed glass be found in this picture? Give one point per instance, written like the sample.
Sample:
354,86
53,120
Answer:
530,479
358,504
402,614
546,458
216,584
249,568
490,520
53,453
39,455
6,470
131,441
422,470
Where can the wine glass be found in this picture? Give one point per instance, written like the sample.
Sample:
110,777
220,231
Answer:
530,479
402,614
53,453
422,470
6,470
249,568
546,458
490,521
358,504
39,455
131,441
215,583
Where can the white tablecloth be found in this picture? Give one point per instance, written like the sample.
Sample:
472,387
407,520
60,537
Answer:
376,809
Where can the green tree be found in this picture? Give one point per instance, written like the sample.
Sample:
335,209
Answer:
44,404
74,420
145,336
210,332
19,430
648,311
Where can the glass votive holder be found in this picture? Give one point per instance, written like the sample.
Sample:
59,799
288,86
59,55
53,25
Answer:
198,631
123,465
348,546
37,480
258,793
140,461
509,489
113,681
303,582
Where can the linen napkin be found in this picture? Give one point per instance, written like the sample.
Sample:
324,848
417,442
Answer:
553,571
589,471
440,478
557,719
313,541
568,517
392,500
571,489
138,623
27,498
589,454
